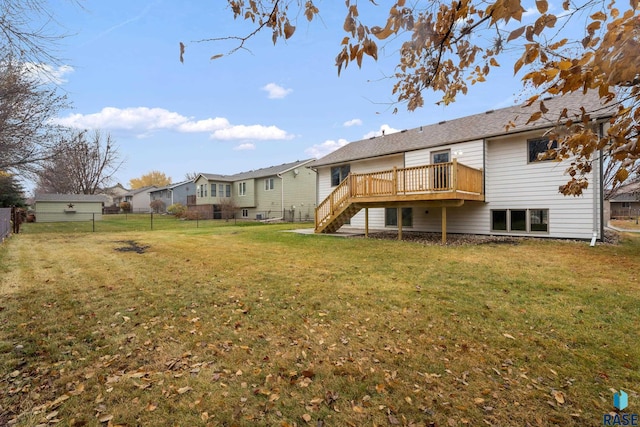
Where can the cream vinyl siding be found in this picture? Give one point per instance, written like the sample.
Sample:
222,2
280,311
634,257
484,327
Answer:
300,191
47,211
248,200
468,153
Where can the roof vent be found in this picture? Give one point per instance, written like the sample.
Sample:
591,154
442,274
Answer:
420,129
442,122
403,131
489,112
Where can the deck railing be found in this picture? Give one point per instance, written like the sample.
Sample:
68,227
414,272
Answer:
427,179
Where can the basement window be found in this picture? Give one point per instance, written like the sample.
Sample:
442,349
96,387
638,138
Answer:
391,217
520,220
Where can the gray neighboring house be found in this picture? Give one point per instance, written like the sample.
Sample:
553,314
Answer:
139,199
69,207
173,193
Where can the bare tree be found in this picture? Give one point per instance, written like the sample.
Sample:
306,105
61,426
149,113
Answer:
28,31
27,134
83,165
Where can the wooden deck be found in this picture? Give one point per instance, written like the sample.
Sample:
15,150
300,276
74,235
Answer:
442,184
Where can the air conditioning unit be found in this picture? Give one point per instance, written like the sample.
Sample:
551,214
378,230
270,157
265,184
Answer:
259,217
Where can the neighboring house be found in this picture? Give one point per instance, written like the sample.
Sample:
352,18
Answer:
69,207
115,196
139,199
173,193
287,191
468,175
624,202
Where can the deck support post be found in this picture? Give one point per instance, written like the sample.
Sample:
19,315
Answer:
444,224
399,218
366,222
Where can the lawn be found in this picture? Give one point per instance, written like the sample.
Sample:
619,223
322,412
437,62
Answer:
230,325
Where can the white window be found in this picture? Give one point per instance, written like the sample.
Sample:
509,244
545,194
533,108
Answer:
242,188
268,184
245,213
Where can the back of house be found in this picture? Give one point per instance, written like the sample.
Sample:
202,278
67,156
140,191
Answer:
470,175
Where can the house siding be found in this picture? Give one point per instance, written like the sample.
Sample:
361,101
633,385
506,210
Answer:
248,200
55,211
468,153
513,183
300,191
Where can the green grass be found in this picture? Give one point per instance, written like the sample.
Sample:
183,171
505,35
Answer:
236,325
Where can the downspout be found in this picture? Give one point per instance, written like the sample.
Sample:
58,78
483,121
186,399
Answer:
601,130
281,195
597,198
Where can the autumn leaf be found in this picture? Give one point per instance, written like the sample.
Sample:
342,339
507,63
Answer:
182,46
288,30
183,390
559,396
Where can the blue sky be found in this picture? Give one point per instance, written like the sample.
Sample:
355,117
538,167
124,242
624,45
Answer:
256,108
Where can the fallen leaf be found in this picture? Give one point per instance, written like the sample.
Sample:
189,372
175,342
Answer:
508,336
183,390
151,407
306,418
559,396
105,418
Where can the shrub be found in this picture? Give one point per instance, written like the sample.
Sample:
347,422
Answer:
125,206
177,209
157,206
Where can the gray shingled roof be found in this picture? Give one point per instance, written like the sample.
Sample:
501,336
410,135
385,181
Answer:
258,173
77,198
484,125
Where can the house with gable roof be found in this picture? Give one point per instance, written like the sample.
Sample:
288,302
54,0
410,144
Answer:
139,199
286,191
173,193
470,175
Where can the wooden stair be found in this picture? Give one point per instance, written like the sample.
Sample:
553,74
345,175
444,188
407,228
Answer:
332,224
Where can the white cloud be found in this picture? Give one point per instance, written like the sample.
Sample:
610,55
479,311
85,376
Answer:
275,91
386,128
142,120
321,150
245,147
46,73
352,122
251,132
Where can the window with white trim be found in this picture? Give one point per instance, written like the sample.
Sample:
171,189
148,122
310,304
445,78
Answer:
245,213
268,184
242,188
